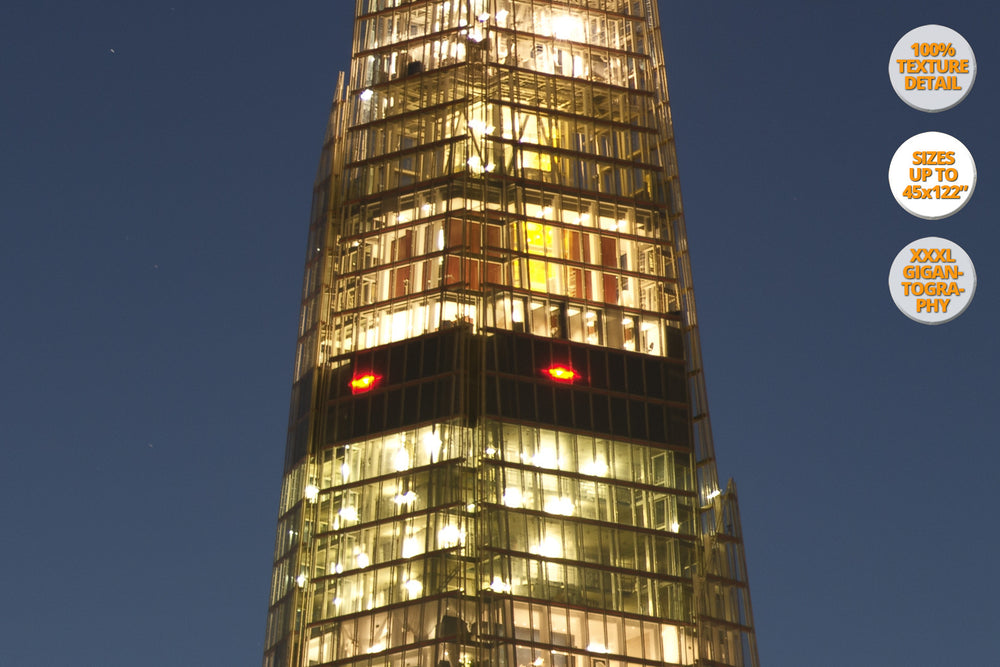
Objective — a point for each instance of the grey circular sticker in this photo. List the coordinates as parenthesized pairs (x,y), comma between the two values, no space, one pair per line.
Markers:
(932,280)
(932,68)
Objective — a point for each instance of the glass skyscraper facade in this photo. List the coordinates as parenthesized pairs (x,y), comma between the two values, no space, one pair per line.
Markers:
(499,451)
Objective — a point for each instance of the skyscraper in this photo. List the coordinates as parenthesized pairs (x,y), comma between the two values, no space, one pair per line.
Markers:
(499,450)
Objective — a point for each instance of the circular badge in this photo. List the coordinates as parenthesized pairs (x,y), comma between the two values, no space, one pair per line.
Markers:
(932,175)
(932,280)
(932,68)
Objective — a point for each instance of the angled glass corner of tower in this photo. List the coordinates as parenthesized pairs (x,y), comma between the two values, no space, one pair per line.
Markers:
(499,450)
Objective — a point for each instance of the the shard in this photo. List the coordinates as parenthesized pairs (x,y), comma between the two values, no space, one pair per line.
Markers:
(499,451)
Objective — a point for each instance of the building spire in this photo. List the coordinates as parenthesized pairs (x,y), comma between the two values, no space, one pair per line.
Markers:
(499,449)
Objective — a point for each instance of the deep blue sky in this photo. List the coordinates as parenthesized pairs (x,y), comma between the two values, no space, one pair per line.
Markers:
(154,207)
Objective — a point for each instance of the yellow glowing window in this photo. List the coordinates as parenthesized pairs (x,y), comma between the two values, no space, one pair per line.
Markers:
(533,160)
(537,275)
(540,237)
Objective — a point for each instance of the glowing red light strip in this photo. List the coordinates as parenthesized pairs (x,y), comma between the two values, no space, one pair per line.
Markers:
(562,373)
(363,383)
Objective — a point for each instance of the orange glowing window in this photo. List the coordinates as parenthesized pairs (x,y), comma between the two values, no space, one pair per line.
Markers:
(363,382)
(562,373)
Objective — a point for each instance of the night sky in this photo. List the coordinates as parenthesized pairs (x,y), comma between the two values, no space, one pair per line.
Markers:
(156,166)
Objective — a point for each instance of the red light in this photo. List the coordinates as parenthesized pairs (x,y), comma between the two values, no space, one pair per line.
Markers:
(562,373)
(364,382)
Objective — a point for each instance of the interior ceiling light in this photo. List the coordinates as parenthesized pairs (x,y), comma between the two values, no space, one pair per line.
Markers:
(363,382)
(562,374)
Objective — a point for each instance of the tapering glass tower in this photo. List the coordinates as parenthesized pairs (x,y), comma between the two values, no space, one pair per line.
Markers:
(499,450)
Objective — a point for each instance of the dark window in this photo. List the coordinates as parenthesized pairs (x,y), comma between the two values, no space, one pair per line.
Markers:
(677,427)
(446,355)
(619,417)
(302,396)
(361,408)
(393,411)
(340,381)
(560,355)
(581,409)
(493,356)
(490,387)
(445,396)
(578,360)
(508,398)
(300,445)
(546,408)
(413,355)
(430,355)
(380,362)
(598,369)
(377,415)
(427,400)
(675,343)
(396,370)
(505,353)
(600,413)
(335,426)
(637,417)
(616,373)
(657,432)
(676,385)
(411,404)
(654,378)
(564,406)
(635,384)
(526,400)
(522,357)
(543,356)
(364,361)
